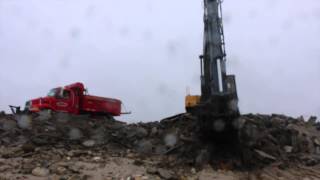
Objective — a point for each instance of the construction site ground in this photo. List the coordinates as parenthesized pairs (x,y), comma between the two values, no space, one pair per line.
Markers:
(59,146)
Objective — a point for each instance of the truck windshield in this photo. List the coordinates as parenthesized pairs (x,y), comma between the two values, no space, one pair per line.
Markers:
(53,92)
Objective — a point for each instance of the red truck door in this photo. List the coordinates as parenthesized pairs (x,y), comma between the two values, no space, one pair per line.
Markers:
(65,102)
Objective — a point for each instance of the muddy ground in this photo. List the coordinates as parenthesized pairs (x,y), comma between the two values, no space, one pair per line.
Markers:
(60,146)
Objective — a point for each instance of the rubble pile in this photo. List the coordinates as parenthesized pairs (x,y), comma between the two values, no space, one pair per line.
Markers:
(275,138)
(263,140)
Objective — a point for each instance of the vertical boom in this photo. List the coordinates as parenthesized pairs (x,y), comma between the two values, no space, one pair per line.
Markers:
(213,60)
(217,107)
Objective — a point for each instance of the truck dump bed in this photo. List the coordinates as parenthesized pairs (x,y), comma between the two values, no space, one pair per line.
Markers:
(101,105)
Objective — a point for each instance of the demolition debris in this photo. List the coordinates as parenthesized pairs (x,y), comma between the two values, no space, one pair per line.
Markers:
(174,141)
(263,139)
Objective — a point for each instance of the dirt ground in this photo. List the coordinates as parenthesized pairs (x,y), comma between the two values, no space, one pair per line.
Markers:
(89,165)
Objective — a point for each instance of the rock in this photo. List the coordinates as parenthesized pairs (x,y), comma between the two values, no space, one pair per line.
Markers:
(97,158)
(145,147)
(265,155)
(4,168)
(62,117)
(76,167)
(28,147)
(139,177)
(160,149)
(264,139)
(89,143)
(75,177)
(28,166)
(312,162)
(202,158)
(288,149)
(301,119)
(316,142)
(131,155)
(8,125)
(40,172)
(312,120)
(141,132)
(2,161)
(152,170)
(22,140)
(138,162)
(165,174)
(193,171)
(6,140)
(61,170)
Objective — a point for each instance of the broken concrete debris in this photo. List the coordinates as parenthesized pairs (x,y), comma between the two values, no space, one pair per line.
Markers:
(41,172)
(42,141)
(89,143)
(166,174)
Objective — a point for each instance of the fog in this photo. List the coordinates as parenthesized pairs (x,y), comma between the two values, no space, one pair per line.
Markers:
(145,52)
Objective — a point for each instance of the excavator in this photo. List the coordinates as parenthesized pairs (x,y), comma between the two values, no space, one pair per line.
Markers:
(217,108)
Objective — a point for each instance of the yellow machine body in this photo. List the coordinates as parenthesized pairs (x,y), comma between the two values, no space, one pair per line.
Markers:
(192,101)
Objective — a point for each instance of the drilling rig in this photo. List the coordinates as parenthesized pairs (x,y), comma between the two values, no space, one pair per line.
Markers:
(217,107)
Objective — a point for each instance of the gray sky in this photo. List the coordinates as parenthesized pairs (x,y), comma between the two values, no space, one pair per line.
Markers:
(145,52)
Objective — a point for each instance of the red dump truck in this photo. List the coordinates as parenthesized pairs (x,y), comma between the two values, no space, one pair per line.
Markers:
(74,99)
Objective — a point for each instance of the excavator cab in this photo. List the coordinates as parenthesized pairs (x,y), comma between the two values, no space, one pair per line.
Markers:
(191,101)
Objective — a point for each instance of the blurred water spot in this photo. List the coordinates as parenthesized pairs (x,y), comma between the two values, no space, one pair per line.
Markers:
(316,13)
(273,41)
(149,6)
(75,134)
(99,135)
(9,125)
(165,90)
(75,33)
(160,149)
(44,115)
(172,48)
(24,121)
(170,140)
(48,33)
(287,24)
(64,62)
(145,146)
(147,35)
(219,125)
(15,9)
(253,14)
(227,18)
(62,117)
(90,10)
(124,31)
(89,143)
(271,4)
